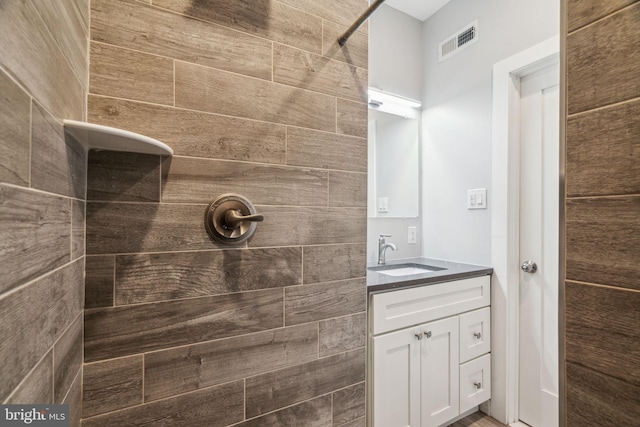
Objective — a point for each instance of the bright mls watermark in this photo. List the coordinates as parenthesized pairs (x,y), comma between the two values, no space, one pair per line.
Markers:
(34,415)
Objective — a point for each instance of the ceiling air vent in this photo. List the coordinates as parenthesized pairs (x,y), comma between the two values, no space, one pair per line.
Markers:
(458,41)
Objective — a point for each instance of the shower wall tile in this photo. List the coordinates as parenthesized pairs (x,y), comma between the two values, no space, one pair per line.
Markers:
(360,422)
(74,400)
(124,73)
(15,111)
(122,22)
(99,281)
(264,18)
(305,70)
(342,334)
(195,133)
(349,404)
(604,234)
(35,236)
(57,160)
(581,13)
(356,52)
(67,359)
(37,386)
(348,261)
(600,59)
(343,12)
(121,176)
(78,208)
(214,91)
(311,148)
(602,151)
(35,60)
(315,413)
(347,189)
(192,180)
(277,389)
(352,118)
(322,301)
(122,331)
(54,301)
(293,226)
(213,407)
(197,366)
(156,277)
(111,385)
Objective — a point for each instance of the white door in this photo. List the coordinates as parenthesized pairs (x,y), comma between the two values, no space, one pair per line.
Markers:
(539,206)
(440,366)
(396,387)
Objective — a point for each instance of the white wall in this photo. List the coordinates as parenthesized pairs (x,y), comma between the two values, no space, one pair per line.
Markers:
(456,121)
(395,66)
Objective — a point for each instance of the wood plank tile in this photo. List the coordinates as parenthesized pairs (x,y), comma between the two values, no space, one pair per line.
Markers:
(602,333)
(35,236)
(121,331)
(277,389)
(194,367)
(603,62)
(193,133)
(270,19)
(67,360)
(33,318)
(348,404)
(306,147)
(322,301)
(603,241)
(121,22)
(124,73)
(68,22)
(355,53)
(309,226)
(477,419)
(348,261)
(58,161)
(32,56)
(603,152)
(74,400)
(158,277)
(352,118)
(345,12)
(99,281)
(128,228)
(37,387)
(305,70)
(111,385)
(313,413)
(191,180)
(78,209)
(581,13)
(596,400)
(213,407)
(342,334)
(214,91)
(126,177)
(347,189)
(15,122)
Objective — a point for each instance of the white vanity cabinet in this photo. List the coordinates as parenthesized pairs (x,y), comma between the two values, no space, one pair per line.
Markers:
(429,352)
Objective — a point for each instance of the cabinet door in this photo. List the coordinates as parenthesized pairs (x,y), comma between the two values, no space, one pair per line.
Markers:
(475,334)
(440,370)
(475,382)
(396,379)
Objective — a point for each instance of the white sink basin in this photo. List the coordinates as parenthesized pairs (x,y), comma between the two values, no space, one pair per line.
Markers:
(405,269)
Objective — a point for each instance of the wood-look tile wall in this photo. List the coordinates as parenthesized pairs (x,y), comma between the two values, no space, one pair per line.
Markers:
(256,98)
(43,80)
(602,214)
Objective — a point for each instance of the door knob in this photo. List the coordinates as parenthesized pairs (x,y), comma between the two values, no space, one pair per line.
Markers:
(529,267)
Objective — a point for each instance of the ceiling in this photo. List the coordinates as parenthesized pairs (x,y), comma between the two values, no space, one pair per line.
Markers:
(419,9)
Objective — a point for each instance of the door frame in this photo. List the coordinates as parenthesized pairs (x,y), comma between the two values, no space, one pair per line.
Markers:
(505,218)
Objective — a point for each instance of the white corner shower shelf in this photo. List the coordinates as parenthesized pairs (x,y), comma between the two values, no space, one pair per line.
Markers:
(107,138)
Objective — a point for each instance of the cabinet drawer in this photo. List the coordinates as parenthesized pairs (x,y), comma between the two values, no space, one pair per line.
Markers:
(407,307)
(475,334)
(475,382)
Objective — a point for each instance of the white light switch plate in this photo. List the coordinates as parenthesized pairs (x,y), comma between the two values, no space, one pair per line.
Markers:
(383,204)
(413,235)
(477,198)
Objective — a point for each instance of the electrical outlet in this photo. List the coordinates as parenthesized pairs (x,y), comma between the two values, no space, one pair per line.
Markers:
(413,235)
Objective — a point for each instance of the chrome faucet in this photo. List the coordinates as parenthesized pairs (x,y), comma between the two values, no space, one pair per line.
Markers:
(382,248)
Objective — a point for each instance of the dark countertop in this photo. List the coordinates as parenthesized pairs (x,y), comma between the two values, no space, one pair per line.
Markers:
(452,271)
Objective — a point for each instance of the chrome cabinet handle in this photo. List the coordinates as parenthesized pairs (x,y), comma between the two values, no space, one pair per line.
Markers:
(418,336)
(427,334)
(478,335)
(477,385)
